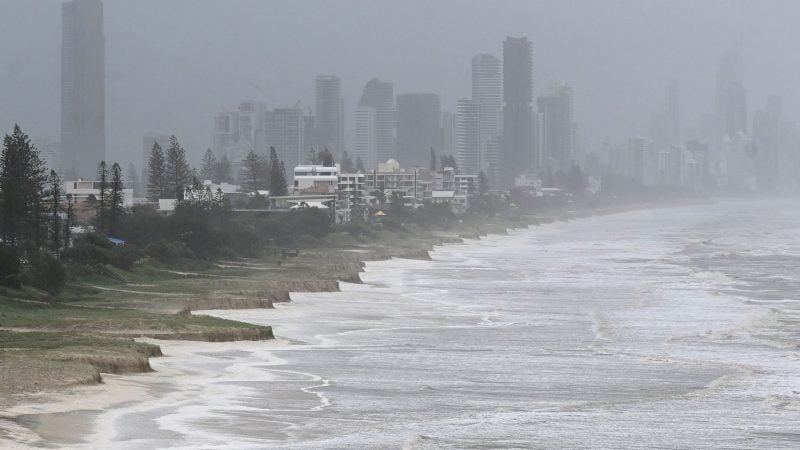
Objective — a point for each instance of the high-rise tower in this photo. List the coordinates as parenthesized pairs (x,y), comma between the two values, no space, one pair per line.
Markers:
(487,91)
(83,136)
(329,114)
(516,156)
(375,123)
(468,136)
(557,128)
(418,128)
(731,97)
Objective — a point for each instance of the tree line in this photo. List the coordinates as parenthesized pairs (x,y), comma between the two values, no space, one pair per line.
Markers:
(31,227)
(169,173)
(259,173)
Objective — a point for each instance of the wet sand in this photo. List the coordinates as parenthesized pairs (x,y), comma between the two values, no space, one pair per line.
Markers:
(69,418)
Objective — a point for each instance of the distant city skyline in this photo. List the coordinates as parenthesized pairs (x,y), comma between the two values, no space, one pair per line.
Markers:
(618,56)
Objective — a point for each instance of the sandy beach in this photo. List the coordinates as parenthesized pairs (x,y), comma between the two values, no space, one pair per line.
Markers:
(83,416)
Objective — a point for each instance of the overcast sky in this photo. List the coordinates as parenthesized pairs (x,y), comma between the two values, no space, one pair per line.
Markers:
(171,64)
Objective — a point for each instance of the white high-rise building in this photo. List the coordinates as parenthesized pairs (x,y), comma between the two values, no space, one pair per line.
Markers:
(487,90)
(366,147)
(380,96)
(468,136)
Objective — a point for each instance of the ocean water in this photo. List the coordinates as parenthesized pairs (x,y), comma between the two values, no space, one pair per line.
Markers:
(671,328)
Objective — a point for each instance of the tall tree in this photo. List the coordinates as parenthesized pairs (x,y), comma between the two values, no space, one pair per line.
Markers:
(326,158)
(483,183)
(576,181)
(380,197)
(69,218)
(277,176)
(360,165)
(282,180)
(449,161)
(155,178)
(115,199)
(398,204)
(254,175)
(208,171)
(177,169)
(22,181)
(433,160)
(347,163)
(102,197)
(549,179)
(55,216)
(223,170)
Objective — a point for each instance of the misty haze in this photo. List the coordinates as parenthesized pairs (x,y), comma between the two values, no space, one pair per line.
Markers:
(399,224)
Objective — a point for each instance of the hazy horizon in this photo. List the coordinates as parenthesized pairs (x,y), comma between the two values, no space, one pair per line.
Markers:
(172,65)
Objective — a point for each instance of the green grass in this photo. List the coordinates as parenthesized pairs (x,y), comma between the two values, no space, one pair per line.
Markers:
(15,314)
(32,341)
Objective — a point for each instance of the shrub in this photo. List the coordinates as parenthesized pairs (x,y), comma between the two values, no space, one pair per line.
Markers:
(86,251)
(357,228)
(45,272)
(92,249)
(9,267)
(124,256)
(97,240)
(169,252)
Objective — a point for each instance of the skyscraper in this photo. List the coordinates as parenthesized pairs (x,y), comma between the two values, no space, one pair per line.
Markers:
(665,124)
(731,97)
(285,131)
(418,128)
(379,96)
(557,128)
(516,156)
(468,136)
(83,137)
(237,133)
(367,137)
(329,120)
(487,91)
(449,134)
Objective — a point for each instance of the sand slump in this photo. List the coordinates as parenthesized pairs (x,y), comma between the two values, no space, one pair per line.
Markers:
(257,293)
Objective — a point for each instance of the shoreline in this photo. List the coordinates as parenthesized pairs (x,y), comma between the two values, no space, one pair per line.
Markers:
(66,415)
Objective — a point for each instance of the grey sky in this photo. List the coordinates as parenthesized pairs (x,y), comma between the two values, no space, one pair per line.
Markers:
(171,64)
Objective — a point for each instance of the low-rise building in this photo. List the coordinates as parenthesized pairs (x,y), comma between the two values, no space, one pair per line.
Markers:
(354,187)
(390,178)
(315,179)
(417,185)
(226,188)
(81,190)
